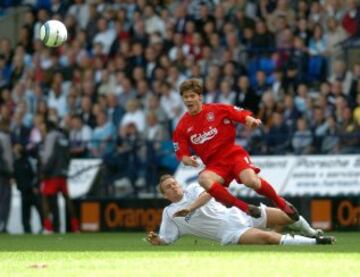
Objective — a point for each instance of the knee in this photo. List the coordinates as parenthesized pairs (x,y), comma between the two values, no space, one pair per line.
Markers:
(269,238)
(204,181)
(252,182)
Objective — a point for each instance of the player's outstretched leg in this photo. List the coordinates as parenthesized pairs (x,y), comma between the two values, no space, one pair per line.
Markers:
(300,240)
(222,195)
(210,182)
(261,186)
(267,190)
(276,218)
(257,236)
(305,229)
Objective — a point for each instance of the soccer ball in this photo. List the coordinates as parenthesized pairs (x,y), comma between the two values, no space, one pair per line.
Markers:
(53,33)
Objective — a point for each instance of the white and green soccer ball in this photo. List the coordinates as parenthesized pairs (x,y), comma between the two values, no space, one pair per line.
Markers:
(53,33)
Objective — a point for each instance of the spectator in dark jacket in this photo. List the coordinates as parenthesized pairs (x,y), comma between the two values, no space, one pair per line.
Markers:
(6,171)
(245,95)
(278,136)
(27,182)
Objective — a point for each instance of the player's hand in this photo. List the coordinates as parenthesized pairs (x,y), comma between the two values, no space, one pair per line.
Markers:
(182,213)
(252,122)
(254,211)
(153,238)
(190,161)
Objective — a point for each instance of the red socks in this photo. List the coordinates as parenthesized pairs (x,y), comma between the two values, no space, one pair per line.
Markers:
(48,227)
(222,195)
(267,190)
(75,226)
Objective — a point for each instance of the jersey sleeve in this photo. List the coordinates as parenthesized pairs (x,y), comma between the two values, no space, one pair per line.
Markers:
(49,147)
(180,141)
(168,229)
(234,113)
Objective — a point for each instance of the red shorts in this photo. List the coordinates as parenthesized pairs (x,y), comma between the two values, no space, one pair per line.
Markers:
(54,185)
(230,164)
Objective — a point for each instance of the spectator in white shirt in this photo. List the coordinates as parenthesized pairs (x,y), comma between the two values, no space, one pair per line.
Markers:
(57,100)
(171,103)
(105,35)
(80,136)
(134,114)
(341,74)
(178,46)
(227,95)
(153,22)
(154,130)
(81,12)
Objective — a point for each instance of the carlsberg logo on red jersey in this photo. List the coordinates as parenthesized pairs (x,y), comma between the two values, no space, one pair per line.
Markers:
(205,136)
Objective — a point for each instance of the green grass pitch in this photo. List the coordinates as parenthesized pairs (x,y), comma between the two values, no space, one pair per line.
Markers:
(127,254)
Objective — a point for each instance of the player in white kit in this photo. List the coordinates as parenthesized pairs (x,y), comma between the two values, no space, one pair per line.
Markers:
(206,218)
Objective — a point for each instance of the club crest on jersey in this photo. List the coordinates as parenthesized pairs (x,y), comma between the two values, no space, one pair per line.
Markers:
(188,217)
(210,116)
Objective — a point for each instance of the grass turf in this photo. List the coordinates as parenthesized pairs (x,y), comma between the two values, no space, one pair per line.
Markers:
(127,254)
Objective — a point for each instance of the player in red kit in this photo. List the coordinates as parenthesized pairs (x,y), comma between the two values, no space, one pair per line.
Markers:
(209,130)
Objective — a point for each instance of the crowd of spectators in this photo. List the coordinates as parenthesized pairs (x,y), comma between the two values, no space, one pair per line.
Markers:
(114,84)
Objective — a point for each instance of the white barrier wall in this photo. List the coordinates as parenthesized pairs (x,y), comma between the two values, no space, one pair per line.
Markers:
(318,175)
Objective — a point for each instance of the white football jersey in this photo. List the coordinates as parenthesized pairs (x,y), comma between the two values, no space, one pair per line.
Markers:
(212,221)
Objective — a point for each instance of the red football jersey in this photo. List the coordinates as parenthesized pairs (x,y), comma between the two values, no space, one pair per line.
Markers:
(209,132)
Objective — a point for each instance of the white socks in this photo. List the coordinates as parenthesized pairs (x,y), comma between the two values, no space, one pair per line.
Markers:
(296,240)
(303,227)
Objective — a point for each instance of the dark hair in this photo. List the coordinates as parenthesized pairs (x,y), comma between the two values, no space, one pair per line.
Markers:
(5,125)
(51,125)
(77,116)
(191,84)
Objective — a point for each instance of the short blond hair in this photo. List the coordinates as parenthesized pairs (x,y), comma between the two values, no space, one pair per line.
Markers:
(193,84)
(162,179)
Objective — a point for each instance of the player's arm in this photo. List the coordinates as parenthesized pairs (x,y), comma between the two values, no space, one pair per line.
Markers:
(252,122)
(240,115)
(168,232)
(203,198)
(48,153)
(181,147)
(154,239)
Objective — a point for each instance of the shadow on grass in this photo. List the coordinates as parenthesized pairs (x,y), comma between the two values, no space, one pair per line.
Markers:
(135,242)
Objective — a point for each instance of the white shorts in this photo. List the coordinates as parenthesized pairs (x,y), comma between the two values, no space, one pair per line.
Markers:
(239,222)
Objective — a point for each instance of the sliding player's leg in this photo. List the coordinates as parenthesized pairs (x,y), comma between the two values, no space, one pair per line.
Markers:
(257,236)
(276,218)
